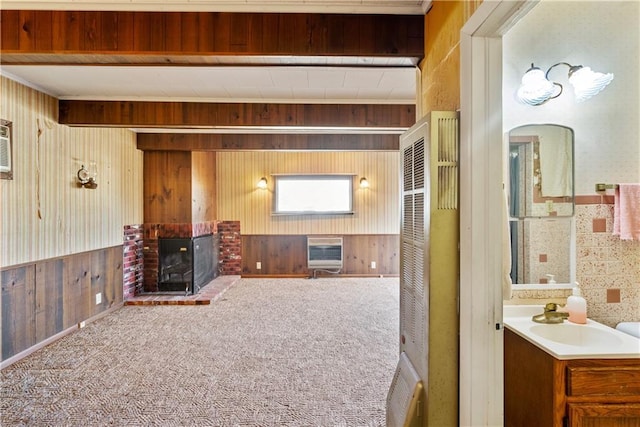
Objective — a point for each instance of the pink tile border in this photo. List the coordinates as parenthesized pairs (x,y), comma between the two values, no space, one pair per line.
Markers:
(601,199)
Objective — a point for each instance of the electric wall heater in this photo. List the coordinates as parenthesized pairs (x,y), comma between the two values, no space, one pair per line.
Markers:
(324,252)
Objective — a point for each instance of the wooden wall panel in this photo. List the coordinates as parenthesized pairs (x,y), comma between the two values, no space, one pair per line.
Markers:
(376,208)
(44,213)
(76,289)
(167,187)
(43,298)
(279,255)
(18,310)
(49,298)
(441,67)
(286,255)
(179,186)
(360,250)
(203,186)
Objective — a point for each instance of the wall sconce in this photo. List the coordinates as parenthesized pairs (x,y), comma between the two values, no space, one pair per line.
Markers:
(262,184)
(536,88)
(364,183)
(87,179)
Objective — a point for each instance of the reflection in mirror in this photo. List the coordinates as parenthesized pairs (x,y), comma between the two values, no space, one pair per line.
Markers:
(541,251)
(541,171)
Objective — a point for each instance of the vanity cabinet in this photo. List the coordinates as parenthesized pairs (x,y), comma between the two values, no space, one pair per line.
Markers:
(540,390)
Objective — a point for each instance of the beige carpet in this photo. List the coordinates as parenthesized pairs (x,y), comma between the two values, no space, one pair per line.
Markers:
(270,352)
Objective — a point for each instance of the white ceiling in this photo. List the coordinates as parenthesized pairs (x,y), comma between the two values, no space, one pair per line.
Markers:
(278,84)
(354,80)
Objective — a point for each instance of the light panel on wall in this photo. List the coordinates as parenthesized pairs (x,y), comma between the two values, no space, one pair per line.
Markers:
(536,88)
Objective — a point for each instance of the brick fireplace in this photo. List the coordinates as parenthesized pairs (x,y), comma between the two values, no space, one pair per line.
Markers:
(226,245)
(180,205)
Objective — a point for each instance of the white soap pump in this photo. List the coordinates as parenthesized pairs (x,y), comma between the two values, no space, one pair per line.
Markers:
(577,306)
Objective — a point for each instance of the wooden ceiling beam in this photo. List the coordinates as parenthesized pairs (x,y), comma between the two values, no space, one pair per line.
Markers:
(190,115)
(166,38)
(263,142)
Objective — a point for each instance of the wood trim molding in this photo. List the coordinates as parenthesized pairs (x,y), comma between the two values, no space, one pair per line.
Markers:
(390,117)
(253,142)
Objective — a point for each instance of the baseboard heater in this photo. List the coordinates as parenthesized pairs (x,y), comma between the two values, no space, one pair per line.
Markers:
(324,253)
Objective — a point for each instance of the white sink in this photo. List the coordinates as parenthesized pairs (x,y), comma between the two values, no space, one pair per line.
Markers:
(578,335)
(568,340)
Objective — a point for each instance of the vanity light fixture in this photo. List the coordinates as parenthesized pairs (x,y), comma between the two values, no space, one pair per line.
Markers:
(262,184)
(364,183)
(536,88)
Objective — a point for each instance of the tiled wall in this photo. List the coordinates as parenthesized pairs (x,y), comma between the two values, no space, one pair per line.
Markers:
(548,250)
(607,268)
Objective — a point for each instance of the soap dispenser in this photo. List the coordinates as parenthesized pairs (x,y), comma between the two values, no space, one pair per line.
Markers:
(577,306)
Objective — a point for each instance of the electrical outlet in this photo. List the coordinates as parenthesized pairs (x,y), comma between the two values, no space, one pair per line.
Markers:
(98,298)
(258,265)
(373,265)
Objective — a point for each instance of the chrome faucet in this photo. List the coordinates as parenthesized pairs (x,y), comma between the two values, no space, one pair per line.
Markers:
(551,314)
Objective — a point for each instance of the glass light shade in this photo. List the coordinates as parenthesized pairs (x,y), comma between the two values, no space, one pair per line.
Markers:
(262,183)
(364,183)
(535,88)
(587,83)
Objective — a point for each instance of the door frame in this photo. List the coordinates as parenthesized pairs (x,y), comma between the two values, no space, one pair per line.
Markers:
(481,204)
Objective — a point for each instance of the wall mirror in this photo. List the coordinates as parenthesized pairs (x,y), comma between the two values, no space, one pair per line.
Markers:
(542,251)
(541,171)
(541,204)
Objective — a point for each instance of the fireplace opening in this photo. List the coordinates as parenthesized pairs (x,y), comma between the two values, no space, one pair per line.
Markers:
(187,265)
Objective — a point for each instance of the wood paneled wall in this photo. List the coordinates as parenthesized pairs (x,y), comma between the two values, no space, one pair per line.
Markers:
(44,214)
(203,186)
(441,65)
(167,187)
(287,255)
(376,208)
(43,298)
(179,186)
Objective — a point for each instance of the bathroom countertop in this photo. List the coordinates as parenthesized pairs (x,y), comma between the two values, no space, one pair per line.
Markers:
(568,340)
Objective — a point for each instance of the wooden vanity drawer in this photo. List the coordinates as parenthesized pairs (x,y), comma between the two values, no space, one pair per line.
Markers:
(603,380)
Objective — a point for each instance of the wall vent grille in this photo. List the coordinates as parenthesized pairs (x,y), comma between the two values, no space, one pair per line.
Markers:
(324,252)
